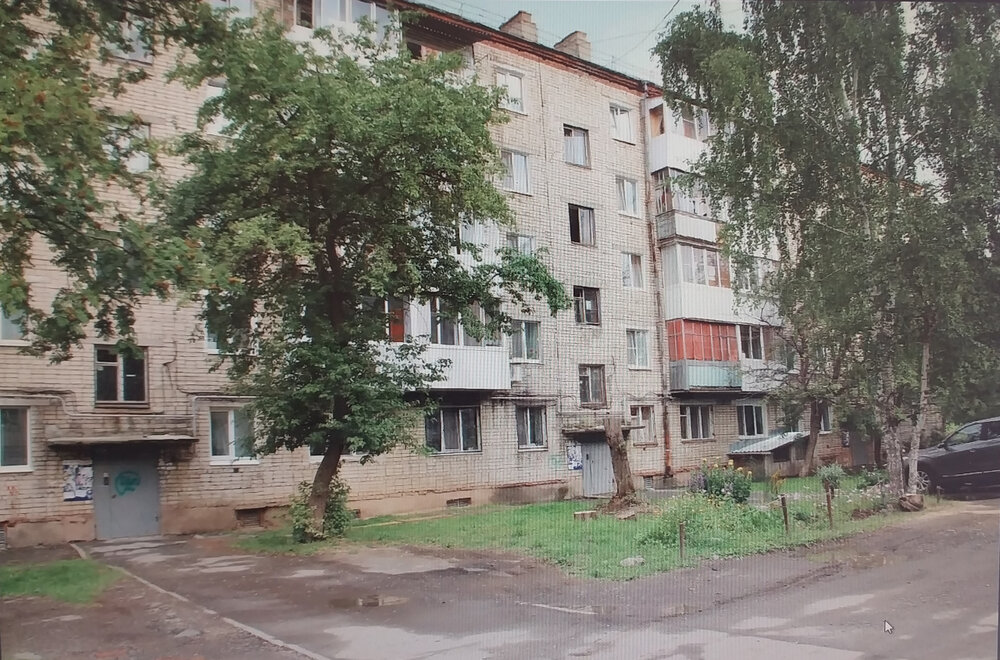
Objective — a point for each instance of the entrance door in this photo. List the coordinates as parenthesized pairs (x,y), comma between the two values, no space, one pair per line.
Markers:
(598,474)
(126,495)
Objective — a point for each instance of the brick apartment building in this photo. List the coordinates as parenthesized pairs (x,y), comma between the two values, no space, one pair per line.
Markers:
(104,446)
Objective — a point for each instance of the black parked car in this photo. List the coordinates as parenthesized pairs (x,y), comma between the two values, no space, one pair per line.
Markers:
(968,457)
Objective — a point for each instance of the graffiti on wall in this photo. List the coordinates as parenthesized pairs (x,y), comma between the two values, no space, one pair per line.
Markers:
(126,482)
(78,481)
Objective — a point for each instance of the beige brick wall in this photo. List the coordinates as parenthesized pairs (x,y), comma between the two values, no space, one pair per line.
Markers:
(197,494)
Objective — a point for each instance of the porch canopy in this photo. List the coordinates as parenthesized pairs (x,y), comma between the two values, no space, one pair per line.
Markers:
(119,440)
(764,445)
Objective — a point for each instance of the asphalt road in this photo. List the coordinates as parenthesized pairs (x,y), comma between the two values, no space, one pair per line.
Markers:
(933,578)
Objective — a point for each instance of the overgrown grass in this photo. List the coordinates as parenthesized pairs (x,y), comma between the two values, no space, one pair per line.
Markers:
(68,580)
(595,548)
(807,485)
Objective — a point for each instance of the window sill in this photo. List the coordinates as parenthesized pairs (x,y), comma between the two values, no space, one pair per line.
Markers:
(128,405)
(477,452)
(14,343)
(238,462)
(348,458)
(524,361)
(16,469)
(588,325)
(514,111)
(531,450)
(518,192)
(644,445)
(583,166)
(146,61)
(631,142)
(628,214)
(594,406)
(696,441)
(826,432)
(634,368)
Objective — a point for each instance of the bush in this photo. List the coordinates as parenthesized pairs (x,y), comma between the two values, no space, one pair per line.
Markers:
(336,517)
(831,475)
(724,482)
(709,521)
(872,476)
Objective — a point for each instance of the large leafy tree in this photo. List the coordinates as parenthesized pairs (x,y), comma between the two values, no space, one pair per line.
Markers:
(345,175)
(817,156)
(59,79)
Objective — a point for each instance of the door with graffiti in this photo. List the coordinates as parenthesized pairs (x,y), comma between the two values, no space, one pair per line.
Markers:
(126,494)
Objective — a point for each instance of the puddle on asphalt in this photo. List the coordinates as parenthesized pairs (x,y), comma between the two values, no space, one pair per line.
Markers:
(367,601)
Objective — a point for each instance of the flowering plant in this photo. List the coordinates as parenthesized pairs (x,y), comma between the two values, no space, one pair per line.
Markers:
(723,482)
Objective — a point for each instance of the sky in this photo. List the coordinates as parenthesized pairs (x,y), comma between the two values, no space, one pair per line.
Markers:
(621,32)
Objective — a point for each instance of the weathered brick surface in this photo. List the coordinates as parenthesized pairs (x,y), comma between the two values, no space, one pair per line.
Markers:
(197,494)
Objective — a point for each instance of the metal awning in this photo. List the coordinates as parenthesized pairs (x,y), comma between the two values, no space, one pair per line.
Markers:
(764,445)
(121,440)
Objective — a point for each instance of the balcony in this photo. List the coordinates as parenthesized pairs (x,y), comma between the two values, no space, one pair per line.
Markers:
(472,367)
(673,224)
(693,375)
(761,375)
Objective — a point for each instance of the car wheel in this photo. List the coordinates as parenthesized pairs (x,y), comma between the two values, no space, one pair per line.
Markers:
(926,482)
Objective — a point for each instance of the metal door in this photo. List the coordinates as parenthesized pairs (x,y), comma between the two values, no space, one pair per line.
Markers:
(598,474)
(126,495)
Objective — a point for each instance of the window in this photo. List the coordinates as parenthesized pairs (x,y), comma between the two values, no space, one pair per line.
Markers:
(211,341)
(530,427)
(13,438)
(704,266)
(587,305)
(452,430)
(631,271)
(232,435)
(219,122)
(592,385)
(576,146)
(118,377)
(643,416)
(638,348)
(750,418)
(524,343)
(450,332)
(322,13)
(696,422)
(656,125)
(135,48)
(516,168)
(688,127)
(621,124)
(398,312)
(671,195)
(628,200)
(138,161)
(751,342)
(825,419)
(582,228)
(10,327)
(694,123)
(244,8)
(511,83)
(522,243)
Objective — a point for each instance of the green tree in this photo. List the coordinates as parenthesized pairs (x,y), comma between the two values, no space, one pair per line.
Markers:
(59,77)
(344,178)
(823,124)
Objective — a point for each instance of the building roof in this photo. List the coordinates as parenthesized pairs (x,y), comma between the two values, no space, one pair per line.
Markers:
(472,31)
(765,445)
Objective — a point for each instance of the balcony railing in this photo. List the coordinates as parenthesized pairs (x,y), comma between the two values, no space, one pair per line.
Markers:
(688,375)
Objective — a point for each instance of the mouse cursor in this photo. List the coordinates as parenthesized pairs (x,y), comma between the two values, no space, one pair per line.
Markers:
(888,627)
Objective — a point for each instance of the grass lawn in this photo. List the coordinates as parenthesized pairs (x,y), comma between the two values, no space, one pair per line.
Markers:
(69,580)
(808,485)
(595,548)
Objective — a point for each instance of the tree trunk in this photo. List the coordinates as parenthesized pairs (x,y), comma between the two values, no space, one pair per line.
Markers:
(327,470)
(894,459)
(624,486)
(809,459)
(921,426)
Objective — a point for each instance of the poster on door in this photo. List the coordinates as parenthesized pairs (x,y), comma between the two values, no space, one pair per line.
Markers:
(78,481)
(574,456)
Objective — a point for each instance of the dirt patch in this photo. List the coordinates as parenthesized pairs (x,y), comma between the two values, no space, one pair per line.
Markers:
(127,622)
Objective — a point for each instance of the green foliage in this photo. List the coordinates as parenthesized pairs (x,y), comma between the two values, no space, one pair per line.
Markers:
(70,580)
(725,482)
(62,148)
(831,475)
(872,475)
(708,520)
(304,527)
(337,516)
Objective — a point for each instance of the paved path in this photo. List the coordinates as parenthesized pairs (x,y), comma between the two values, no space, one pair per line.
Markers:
(934,578)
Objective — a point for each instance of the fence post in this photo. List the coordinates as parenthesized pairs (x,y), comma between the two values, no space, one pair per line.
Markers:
(681,537)
(829,506)
(938,496)
(784,511)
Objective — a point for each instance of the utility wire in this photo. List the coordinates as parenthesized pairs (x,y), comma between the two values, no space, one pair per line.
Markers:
(648,34)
